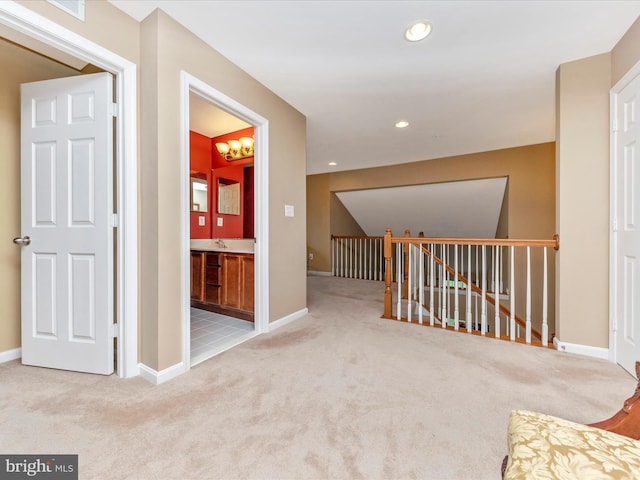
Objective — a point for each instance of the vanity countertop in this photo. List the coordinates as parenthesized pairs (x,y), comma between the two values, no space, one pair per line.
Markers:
(232,245)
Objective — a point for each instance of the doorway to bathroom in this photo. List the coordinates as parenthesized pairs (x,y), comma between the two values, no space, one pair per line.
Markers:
(224,210)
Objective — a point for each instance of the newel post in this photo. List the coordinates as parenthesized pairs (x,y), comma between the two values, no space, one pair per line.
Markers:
(387,273)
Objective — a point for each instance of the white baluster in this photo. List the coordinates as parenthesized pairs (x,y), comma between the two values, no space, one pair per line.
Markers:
(456,312)
(340,264)
(360,257)
(432,282)
(497,293)
(483,318)
(443,289)
(421,284)
(469,319)
(528,318)
(410,280)
(399,279)
(375,260)
(501,270)
(545,326)
(512,297)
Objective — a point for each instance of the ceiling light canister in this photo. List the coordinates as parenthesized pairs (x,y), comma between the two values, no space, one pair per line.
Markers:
(418,31)
(402,124)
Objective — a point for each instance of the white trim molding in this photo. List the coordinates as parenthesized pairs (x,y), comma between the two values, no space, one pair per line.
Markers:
(319,274)
(587,350)
(158,377)
(281,322)
(26,21)
(9,355)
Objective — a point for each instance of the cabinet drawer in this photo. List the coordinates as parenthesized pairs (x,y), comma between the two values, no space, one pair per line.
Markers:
(213,275)
(213,259)
(212,294)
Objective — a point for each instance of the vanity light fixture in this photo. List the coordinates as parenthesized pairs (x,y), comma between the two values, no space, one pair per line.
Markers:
(236,149)
(417,31)
(402,124)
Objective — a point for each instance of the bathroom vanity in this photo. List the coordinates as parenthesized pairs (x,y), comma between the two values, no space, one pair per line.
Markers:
(222,277)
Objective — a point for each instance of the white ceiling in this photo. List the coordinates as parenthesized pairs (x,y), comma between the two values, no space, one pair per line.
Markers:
(468,209)
(210,121)
(483,80)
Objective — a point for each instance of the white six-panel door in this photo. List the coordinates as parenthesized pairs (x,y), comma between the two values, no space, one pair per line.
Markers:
(67,205)
(626,239)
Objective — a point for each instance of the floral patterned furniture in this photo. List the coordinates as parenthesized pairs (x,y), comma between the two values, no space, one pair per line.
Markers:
(546,447)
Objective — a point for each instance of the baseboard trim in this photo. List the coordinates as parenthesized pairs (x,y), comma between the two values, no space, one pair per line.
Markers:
(587,350)
(9,355)
(155,377)
(288,319)
(322,274)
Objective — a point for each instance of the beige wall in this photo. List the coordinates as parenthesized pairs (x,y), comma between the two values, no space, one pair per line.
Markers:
(318,222)
(582,122)
(161,48)
(342,222)
(168,48)
(18,66)
(531,187)
(626,53)
(582,92)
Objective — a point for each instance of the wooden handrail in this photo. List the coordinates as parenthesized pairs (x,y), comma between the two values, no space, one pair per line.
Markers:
(476,289)
(358,237)
(500,242)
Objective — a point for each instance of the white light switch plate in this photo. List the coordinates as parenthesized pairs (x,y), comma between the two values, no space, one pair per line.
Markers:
(219,221)
(288,211)
(201,220)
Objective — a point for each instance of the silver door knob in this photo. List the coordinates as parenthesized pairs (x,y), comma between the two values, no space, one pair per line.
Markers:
(22,241)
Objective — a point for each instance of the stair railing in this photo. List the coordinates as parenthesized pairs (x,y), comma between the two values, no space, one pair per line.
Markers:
(360,257)
(491,274)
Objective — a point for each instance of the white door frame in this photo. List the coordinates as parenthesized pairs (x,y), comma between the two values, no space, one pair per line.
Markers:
(190,84)
(40,28)
(613,181)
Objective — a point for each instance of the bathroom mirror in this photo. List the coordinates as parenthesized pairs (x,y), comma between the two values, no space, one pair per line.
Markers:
(199,195)
(228,196)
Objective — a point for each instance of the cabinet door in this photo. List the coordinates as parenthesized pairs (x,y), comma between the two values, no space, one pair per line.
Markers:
(197,275)
(246,294)
(231,280)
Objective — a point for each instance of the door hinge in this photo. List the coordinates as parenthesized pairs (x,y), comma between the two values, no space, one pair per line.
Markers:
(614,124)
(114,330)
(114,220)
(113,110)
(614,225)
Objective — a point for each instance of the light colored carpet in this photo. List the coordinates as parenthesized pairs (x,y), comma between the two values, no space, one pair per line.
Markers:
(339,394)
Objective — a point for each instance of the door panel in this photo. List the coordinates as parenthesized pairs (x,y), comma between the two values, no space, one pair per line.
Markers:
(67,202)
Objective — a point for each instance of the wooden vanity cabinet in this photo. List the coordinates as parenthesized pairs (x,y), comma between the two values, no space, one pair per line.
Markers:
(223,283)
(237,287)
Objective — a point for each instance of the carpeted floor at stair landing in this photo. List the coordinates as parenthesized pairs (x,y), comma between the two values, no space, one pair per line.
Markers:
(338,394)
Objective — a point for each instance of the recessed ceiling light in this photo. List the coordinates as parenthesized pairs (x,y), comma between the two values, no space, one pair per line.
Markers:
(333,164)
(402,124)
(418,31)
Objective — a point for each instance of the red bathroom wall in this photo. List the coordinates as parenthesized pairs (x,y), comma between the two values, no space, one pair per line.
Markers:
(232,225)
(200,163)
